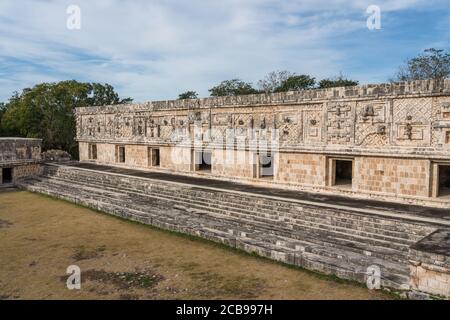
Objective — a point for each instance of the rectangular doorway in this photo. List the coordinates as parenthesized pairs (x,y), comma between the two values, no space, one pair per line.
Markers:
(266,166)
(343,173)
(444,180)
(120,154)
(203,161)
(6,175)
(92,152)
(153,157)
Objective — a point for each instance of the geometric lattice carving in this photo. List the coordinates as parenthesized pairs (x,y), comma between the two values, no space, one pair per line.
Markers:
(371,127)
(418,110)
(289,128)
(371,135)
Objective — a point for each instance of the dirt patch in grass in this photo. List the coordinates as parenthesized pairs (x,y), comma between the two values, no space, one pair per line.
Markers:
(124,260)
(82,253)
(5,224)
(211,284)
(124,280)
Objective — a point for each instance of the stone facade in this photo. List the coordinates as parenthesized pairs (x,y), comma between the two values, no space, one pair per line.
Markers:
(388,141)
(19,158)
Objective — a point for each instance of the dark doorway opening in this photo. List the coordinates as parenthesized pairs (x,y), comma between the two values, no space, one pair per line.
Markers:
(7,175)
(204,161)
(266,165)
(444,180)
(344,172)
(93,152)
(121,155)
(154,159)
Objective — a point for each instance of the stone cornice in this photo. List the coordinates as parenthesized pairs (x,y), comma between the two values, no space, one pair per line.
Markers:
(370,91)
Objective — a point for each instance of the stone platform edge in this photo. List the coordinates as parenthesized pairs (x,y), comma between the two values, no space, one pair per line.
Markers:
(408,217)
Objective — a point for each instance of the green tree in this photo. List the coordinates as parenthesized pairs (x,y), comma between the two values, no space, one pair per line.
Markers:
(431,64)
(273,80)
(188,95)
(232,87)
(339,81)
(2,110)
(104,94)
(47,111)
(295,83)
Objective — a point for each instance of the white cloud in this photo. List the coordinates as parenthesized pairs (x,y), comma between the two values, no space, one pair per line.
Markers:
(157,49)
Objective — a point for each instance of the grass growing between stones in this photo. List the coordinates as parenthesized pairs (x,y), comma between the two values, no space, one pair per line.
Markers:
(120,259)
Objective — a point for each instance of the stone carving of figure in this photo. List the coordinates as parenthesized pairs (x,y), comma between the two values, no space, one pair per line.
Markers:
(230,121)
(263,123)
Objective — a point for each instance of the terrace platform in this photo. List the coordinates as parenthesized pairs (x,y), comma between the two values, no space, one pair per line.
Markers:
(328,234)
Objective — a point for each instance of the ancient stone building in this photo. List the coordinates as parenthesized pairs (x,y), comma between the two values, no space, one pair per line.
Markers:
(19,158)
(387,141)
(352,181)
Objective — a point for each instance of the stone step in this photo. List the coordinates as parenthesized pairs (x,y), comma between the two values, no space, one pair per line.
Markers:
(355,244)
(317,219)
(344,254)
(417,231)
(310,260)
(229,209)
(299,225)
(375,228)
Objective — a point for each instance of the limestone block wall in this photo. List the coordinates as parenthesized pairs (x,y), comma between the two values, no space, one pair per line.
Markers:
(21,157)
(410,177)
(430,264)
(27,170)
(232,163)
(302,168)
(136,155)
(408,119)
(83,150)
(20,171)
(397,135)
(106,153)
(430,278)
(20,149)
(176,158)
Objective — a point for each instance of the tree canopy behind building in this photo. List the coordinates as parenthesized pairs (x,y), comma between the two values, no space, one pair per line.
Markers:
(47,111)
(188,95)
(232,87)
(339,81)
(431,64)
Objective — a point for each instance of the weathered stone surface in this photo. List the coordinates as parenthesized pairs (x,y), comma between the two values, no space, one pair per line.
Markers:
(333,241)
(56,155)
(19,158)
(395,136)
(19,150)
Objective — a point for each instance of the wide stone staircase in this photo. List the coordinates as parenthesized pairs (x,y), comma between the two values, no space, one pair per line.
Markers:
(321,238)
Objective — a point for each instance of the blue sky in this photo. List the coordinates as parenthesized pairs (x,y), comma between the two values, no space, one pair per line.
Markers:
(154,50)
